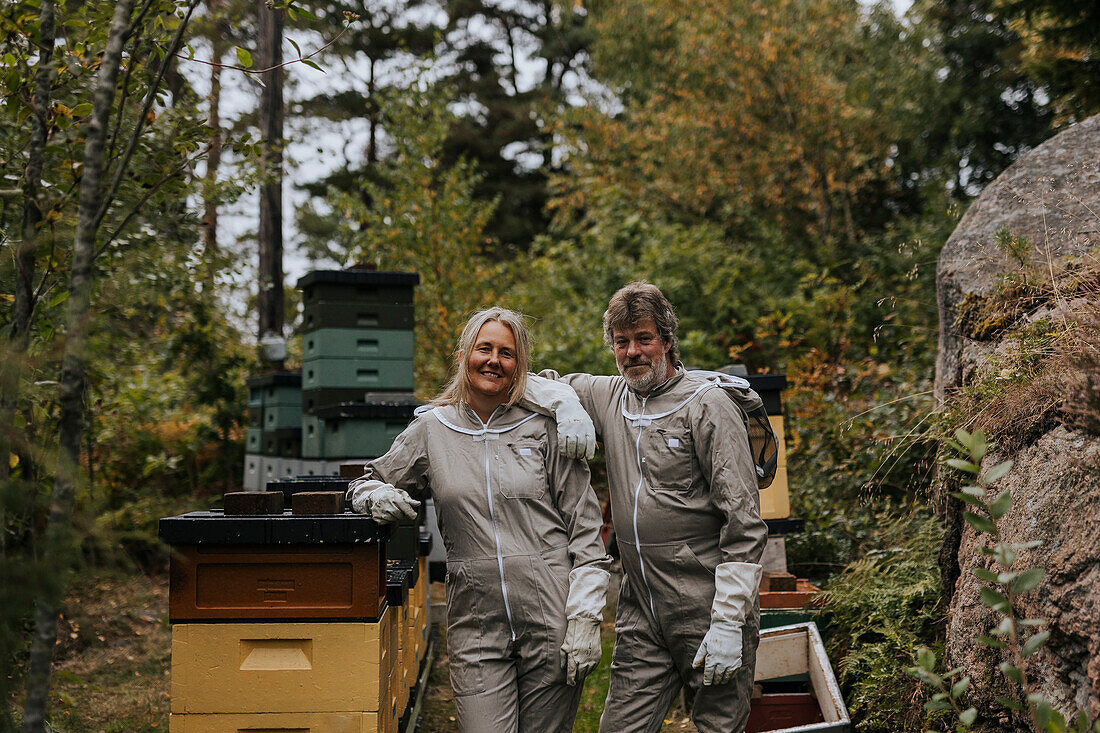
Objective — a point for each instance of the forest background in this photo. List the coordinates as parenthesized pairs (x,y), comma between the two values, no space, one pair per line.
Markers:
(786,171)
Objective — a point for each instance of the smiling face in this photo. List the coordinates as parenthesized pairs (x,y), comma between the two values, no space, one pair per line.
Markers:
(491,368)
(641,355)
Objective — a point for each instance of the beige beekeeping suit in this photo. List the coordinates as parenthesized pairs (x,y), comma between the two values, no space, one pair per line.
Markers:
(684,500)
(521,528)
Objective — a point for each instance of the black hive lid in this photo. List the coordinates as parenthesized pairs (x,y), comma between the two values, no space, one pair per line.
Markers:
(214,528)
(276,379)
(358,277)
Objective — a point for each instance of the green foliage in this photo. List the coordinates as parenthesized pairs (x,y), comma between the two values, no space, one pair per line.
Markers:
(875,612)
(421,216)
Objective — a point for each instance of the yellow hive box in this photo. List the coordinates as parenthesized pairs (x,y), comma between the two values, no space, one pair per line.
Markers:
(278,723)
(396,675)
(280,667)
(400,657)
(774,500)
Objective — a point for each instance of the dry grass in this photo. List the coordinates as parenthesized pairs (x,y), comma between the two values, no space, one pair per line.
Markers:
(112,655)
(1046,366)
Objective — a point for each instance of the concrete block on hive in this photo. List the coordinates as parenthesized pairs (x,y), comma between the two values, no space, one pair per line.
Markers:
(778,581)
(252,503)
(317,502)
(352,469)
(278,667)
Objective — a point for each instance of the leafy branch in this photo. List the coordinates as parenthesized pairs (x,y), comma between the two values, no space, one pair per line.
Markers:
(244,57)
(1017,638)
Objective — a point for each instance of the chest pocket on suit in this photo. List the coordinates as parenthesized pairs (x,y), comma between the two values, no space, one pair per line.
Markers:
(523,469)
(669,458)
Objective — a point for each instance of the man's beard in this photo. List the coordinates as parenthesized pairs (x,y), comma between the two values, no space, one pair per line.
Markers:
(647,381)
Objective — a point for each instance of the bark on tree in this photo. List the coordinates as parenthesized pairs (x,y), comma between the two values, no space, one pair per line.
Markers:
(271,189)
(57,543)
(26,250)
(214,157)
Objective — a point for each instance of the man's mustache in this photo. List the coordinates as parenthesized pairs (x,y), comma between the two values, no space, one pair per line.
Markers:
(637,362)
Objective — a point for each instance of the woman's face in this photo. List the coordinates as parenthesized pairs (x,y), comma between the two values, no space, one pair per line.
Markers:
(492,366)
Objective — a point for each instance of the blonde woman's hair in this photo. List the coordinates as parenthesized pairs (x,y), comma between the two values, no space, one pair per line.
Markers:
(458,389)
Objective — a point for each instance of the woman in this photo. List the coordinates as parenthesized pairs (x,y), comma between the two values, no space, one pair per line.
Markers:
(526,571)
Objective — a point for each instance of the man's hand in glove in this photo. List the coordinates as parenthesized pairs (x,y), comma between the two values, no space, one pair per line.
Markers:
(720,653)
(581,651)
(576,433)
(735,587)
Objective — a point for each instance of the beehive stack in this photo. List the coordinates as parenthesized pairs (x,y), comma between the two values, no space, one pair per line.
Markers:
(279,622)
(357,364)
(273,441)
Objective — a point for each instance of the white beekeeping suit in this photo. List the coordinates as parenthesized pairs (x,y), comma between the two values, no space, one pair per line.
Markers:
(687,520)
(521,528)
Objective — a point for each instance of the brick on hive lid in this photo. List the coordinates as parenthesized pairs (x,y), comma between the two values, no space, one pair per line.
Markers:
(353,469)
(317,502)
(252,503)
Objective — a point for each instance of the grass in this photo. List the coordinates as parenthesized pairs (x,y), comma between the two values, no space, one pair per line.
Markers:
(112,657)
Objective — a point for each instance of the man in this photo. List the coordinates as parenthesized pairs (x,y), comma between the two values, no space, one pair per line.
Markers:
(687,520)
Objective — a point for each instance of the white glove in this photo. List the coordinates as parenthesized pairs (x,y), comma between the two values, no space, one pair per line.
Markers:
(383,502)
(576,433)
(735,586)
(720,652)
(581,652)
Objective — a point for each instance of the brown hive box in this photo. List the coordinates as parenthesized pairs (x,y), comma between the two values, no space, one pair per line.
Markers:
(275,567)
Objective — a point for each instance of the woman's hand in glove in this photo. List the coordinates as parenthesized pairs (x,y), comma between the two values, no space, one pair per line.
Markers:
(581,651)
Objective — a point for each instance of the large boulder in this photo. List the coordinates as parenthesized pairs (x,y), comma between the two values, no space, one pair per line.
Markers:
(1042,215)
(1049,197)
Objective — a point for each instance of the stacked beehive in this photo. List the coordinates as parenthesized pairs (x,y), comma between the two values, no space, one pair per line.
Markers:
(273,441)
(357,364)
(280,622)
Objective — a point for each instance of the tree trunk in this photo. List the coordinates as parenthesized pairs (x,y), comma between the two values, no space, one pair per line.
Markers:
(271,188)
(57,545)
(214,157)
(26,252)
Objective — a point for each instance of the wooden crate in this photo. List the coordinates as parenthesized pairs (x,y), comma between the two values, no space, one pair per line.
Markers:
(279,667)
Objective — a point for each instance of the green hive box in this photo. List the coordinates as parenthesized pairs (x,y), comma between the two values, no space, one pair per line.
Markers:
(337,314)
(357,342)
(358,285)
(366,373)
(359,437)
(253,440)
(282,416)
(311,437)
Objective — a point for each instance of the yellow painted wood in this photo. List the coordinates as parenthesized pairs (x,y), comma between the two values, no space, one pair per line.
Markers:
(278,723)
(279,667)
(396,675)
(775,500)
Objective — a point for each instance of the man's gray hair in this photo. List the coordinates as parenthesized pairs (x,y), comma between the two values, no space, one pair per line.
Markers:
(458,389)
(637,302)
